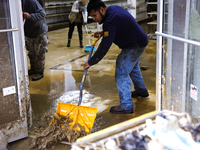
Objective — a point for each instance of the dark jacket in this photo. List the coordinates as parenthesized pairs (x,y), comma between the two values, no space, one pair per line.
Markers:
(121,28)
(36,24)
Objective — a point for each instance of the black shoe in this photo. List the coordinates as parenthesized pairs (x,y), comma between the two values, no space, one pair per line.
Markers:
(68,44)
(37,76)
(136,94)
(81,44)
(119,110)
(31,72)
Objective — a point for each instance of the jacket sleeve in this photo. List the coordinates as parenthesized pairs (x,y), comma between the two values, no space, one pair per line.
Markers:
(75,7)
(39,12)
(109,32)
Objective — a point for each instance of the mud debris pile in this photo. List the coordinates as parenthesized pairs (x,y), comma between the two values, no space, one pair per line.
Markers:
(58,131)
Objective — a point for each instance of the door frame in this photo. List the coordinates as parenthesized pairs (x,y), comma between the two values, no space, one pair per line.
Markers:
(18,129)
(160,48)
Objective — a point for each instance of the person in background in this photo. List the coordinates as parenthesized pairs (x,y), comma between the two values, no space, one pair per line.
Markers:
(35,29)
(78,15)
(121,28)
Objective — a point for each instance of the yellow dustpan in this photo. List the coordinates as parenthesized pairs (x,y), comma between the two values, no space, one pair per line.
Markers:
(81,115)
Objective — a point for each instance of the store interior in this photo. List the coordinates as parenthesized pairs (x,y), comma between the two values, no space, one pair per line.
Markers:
(169,80)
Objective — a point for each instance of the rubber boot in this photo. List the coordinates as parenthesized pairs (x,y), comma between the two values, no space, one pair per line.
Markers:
(81,44)
(68,44)
(32,63)
(31,72)
(37,76)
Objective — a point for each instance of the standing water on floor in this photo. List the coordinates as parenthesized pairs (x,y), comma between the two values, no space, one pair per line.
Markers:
(61,83)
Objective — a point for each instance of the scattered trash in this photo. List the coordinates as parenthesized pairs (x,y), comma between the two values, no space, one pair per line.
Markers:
(134,141)
(195,131)
(165,130)
(110,144)
(155,145)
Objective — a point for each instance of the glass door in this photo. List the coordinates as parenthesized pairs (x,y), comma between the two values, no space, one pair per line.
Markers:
(178,56)
(193,76)
(15,105)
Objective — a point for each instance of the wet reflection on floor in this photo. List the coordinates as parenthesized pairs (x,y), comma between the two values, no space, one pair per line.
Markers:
(62,80)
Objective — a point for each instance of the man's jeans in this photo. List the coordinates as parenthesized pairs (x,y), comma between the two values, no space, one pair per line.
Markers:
(127,64)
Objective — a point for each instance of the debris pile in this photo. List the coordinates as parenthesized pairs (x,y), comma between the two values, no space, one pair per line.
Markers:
(58,131)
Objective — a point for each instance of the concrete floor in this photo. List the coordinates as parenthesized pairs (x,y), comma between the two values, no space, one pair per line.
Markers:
(62,77)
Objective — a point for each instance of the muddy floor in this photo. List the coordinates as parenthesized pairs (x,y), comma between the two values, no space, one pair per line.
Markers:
(61,83)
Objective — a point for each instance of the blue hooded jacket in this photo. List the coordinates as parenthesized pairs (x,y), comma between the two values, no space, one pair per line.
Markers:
(36,24)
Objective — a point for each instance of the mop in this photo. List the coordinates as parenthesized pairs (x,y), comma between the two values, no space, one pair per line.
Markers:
(88,47)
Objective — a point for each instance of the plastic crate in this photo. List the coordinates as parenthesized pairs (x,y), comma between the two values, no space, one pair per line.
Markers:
(100,139)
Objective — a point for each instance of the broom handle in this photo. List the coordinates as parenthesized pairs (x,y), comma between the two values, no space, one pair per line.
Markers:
(83,78)
(86,29)
(87,34)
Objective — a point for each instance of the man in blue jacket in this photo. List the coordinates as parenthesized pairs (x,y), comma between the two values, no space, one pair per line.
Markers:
(121,28)
(35,29)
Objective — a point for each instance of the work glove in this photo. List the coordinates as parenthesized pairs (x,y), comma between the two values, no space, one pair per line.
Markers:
(98,33)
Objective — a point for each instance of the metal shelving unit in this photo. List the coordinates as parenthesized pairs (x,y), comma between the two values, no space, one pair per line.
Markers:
(152,24)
